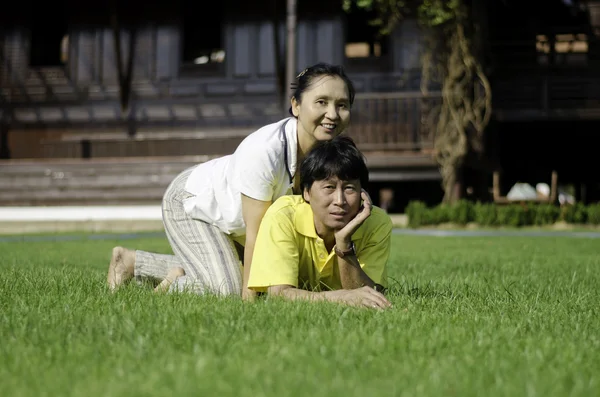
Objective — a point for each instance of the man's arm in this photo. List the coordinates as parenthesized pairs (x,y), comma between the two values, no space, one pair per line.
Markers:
(351,274)
(364,297)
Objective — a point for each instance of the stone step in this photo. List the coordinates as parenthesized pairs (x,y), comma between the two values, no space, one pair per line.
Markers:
(77,182)
(143,180)
(107,181)
(141,148)
(87,196)
(60,172)
(93,167)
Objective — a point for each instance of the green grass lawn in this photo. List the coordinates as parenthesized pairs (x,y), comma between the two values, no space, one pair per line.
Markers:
(472,316)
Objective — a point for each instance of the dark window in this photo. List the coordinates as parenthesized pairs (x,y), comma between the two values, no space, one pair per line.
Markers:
(49,38)
(203,42)
(364,46)
(562,49)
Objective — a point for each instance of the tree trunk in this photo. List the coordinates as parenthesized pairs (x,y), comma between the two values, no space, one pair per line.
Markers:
(451,182)
(464,114)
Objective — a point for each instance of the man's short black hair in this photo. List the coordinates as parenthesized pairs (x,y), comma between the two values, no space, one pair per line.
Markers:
(338,157)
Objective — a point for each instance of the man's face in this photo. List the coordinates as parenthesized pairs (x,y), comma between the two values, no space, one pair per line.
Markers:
(334,203)
(324,109)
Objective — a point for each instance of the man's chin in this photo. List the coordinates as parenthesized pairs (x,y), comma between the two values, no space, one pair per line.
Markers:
(337,225)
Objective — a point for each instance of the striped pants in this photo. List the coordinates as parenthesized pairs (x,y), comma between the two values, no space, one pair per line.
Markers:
(208,256)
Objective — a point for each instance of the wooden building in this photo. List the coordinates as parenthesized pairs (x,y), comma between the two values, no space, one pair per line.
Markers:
(195,82)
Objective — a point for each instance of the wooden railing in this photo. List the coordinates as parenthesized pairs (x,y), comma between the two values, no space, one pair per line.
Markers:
(49,99)
(51,106)
(548,95)
(48,107)
(394,121)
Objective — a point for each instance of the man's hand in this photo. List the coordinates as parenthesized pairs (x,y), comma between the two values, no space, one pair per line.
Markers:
(362,297)
(343,237)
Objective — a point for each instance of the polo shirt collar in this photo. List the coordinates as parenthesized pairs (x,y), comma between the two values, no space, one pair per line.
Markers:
(305,223)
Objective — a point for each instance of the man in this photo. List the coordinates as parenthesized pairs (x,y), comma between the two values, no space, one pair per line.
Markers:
(330,243)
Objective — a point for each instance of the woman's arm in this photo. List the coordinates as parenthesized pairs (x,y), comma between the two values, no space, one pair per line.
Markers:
(364,296)
(252,211)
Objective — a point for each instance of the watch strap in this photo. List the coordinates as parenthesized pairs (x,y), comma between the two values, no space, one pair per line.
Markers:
(348,252)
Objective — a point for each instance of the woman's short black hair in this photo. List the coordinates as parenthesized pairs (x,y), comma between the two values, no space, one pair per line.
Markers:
(338,157)
(307,76)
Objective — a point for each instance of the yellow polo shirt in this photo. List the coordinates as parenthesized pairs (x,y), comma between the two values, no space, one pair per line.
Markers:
(289,252)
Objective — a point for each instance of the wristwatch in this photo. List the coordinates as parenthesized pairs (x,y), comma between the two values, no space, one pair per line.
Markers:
(350,252)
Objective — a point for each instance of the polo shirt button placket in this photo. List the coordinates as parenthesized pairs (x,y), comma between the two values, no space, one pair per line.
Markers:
(321,248)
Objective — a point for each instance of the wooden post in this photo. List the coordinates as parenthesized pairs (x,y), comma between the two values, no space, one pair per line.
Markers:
(290,63)
(125,76)
(580,192)
(386,198)
(4,149)
(282,90)
(553,188)
(86,149)
(496,186)
(415,123)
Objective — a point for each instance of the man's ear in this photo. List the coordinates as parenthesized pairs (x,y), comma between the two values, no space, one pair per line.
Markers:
(306,195)
(295,105)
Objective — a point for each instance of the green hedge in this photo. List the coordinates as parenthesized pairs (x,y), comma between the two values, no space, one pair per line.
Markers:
(490,214)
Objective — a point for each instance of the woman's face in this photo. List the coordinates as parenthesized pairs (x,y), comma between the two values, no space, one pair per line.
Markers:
(323,111)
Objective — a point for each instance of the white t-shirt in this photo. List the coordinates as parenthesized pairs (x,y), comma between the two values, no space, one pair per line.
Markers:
(262,167)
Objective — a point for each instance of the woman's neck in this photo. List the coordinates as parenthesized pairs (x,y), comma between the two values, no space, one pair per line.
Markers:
(305,143)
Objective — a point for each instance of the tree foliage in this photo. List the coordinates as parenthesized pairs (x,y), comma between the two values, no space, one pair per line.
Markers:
(452,57)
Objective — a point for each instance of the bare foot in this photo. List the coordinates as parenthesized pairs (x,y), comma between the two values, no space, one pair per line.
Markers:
(121,267)
(173,274)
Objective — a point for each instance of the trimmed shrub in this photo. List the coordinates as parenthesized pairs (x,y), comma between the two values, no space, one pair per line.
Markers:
(490,214)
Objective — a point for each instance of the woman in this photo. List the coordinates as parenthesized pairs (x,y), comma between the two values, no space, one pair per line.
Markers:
(211,207)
